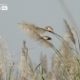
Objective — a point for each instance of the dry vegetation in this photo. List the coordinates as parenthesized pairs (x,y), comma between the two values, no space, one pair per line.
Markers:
(65,62)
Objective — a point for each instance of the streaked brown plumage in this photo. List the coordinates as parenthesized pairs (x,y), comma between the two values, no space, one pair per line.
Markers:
(46,38)
(49,28)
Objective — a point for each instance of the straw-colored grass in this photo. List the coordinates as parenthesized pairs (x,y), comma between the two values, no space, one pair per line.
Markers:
(65,61)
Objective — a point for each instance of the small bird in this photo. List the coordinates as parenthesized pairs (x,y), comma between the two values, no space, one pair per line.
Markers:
(49,28)
(46,38)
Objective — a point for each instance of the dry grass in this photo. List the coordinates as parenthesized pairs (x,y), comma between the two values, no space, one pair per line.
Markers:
(65,62)
(65,65)
(69,32)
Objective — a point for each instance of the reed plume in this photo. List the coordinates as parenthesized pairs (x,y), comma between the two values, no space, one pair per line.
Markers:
(43,61)
(71,68)
(71,63)
(33,34)
(4,53)
(29,26)
(25,64)
(69,32)
(5,58)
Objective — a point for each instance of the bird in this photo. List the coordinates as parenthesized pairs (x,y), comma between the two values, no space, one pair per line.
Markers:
(49,28)
(46,38)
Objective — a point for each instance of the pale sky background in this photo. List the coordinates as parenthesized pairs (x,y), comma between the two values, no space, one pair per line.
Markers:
(39,12)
